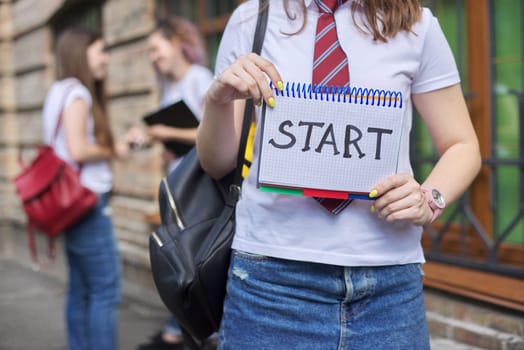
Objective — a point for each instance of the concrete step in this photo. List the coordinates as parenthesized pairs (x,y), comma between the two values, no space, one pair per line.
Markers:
(448,344)
(472,323)
(470,335)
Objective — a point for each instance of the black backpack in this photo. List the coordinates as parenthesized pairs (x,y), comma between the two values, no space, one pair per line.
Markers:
(190,251)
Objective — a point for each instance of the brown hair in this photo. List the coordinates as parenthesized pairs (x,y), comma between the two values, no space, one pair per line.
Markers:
(71,52)
(384,18)
(192,43)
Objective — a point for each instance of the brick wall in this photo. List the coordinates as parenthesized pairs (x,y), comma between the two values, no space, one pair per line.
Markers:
(7,110)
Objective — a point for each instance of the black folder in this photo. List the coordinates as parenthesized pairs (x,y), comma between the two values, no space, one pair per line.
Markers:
(176,115)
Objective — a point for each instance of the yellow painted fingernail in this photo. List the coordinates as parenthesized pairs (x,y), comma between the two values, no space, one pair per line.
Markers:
(271,102)
(259,103)
(373,193)
(372,209)
(280,85)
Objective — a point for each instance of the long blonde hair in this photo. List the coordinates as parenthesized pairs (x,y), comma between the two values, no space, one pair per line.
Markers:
(384,18)
(71,52)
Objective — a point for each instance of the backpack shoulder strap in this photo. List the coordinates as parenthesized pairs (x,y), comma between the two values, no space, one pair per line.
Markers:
(258,41)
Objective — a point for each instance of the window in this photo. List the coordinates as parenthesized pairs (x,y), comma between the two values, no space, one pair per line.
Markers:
(507,90)
(82,13)
(479,243)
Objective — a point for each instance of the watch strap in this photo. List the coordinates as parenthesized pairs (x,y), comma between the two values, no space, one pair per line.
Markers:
(431,202)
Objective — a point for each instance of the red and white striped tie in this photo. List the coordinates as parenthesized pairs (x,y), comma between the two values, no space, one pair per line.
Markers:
(330,67)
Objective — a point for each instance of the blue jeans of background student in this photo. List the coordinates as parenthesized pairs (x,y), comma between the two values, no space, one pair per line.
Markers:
(281,304)
(94,281)
(173,328)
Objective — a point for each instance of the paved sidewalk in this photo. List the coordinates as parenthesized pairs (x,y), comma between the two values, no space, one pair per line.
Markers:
(31,312)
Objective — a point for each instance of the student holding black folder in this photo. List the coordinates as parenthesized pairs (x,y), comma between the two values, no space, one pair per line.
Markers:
(177,52)
(178,55)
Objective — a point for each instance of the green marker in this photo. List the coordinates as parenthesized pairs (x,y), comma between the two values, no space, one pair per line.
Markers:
(281,190)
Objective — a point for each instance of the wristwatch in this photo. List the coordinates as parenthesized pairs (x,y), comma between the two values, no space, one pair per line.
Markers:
(436,201)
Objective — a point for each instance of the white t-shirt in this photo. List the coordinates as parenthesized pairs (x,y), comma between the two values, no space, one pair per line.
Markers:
(191,89)
(97,176)
(298,228)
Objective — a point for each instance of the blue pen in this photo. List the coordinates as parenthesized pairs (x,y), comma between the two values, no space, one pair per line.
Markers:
(359,196)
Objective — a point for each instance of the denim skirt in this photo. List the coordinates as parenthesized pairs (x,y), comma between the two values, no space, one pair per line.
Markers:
(281,304)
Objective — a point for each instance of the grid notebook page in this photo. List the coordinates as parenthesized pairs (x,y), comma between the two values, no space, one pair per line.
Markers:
(330,138)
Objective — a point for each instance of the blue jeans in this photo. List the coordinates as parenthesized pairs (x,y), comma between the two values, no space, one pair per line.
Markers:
(280,304)
(94,281)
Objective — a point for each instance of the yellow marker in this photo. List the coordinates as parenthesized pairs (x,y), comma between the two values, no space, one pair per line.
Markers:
(280,85)
(373,193)
(271,102)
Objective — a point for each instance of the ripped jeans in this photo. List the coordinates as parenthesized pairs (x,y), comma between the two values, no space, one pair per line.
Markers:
(281,304)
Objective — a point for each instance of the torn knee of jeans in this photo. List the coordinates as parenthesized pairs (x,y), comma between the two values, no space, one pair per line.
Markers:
(240,273)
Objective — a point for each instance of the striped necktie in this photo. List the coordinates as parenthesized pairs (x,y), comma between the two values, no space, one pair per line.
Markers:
(330,67)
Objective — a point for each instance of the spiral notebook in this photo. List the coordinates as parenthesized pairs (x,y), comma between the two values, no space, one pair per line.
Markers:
(329,141)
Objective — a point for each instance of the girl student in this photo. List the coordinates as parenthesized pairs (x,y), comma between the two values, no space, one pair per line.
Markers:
(300,275)
(86,142)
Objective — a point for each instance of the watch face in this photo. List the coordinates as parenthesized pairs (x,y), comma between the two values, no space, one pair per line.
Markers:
(439,200)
